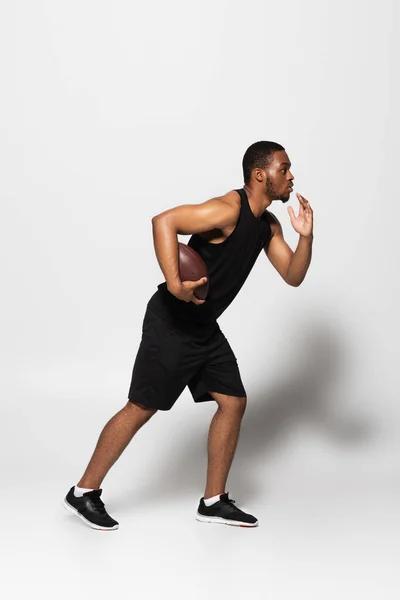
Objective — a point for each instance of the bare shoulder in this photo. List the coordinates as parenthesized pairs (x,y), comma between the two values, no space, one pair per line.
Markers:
(232,198)
(274,223)
(228,205)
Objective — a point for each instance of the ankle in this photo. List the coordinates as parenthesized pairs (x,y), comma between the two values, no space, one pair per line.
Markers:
(209,501)
(86,483)
(212,494)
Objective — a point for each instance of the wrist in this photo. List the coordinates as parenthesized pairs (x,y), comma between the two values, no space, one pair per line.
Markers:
(174,286)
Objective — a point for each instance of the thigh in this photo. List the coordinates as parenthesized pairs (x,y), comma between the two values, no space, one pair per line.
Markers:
(220,373)
(164,364)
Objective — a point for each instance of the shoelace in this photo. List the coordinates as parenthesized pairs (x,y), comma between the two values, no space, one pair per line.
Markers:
(97,503)
(232,504)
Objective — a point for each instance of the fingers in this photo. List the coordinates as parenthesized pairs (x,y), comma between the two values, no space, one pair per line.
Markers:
(291,212)
(201,281)
(197,284)
(190,287)
(304,203)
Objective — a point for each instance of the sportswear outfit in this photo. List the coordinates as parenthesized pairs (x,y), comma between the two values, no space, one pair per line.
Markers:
(183,345)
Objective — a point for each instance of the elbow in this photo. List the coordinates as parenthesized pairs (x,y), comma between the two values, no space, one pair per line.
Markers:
(161,218)
(163,223)
(293,284)
(157,223)
(290,281)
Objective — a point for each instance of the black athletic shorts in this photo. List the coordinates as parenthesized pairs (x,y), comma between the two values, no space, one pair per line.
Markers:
(171,357)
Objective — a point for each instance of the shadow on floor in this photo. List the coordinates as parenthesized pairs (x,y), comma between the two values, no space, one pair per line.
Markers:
(303,395)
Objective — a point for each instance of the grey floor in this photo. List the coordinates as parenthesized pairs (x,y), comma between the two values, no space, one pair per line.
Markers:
(328,507)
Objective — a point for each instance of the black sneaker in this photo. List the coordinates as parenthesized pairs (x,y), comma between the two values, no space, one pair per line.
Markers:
(90,509)
(225,511)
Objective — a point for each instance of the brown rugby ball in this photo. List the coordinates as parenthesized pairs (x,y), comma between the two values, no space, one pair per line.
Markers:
(191,268)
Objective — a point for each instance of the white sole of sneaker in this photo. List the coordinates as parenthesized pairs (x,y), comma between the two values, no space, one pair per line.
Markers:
(92,525)
(222,521)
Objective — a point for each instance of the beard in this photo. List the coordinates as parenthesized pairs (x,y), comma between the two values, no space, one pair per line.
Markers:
(272,193)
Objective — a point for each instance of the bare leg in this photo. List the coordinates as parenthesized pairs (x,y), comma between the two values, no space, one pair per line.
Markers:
(222,441)
(113,440)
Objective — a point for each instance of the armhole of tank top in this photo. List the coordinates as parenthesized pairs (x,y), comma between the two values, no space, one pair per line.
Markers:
(268,224)
(207,244)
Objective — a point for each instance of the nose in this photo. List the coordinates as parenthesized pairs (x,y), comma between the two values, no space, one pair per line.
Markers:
(291,177)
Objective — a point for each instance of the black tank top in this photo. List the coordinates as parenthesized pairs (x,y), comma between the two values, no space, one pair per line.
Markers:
(228,263)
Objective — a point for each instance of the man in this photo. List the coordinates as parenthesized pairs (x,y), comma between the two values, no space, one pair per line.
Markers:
(182,343)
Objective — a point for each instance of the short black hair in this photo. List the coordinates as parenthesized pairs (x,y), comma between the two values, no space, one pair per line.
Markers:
(258,155)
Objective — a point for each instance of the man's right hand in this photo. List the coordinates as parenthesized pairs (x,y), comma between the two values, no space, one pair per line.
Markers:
(185,291)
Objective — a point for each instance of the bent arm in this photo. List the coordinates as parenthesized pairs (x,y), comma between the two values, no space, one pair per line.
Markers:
(292,266)
(300,261)
(186,220)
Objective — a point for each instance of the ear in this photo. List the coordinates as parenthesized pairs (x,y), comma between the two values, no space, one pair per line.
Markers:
(259,175)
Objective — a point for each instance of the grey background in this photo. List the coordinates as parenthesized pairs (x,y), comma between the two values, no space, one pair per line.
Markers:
(110,113)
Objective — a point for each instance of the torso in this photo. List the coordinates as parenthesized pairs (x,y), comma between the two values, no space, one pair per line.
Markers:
(229,254)
(217,236)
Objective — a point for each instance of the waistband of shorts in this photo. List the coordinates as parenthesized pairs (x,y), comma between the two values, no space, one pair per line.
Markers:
(194,329)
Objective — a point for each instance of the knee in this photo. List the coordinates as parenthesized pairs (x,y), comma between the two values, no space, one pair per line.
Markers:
(236,404)
(145,411)
(241,404)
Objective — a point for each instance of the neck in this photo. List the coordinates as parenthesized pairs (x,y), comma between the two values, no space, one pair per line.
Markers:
(258,199)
